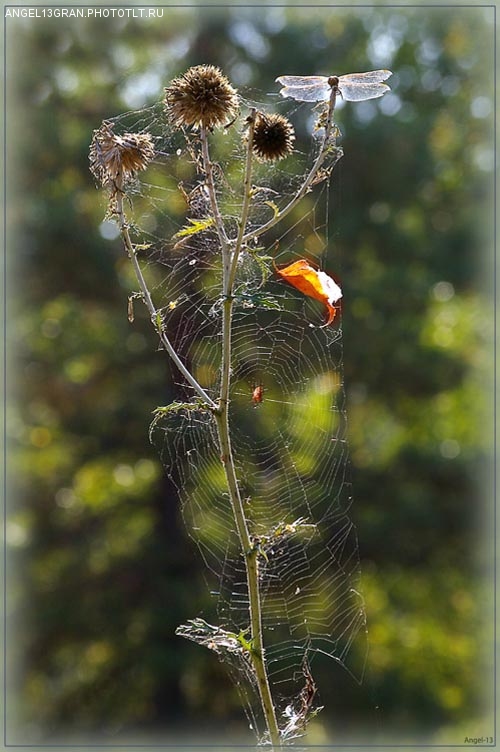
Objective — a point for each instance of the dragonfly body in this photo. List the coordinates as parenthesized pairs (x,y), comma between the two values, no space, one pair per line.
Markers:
(353,87)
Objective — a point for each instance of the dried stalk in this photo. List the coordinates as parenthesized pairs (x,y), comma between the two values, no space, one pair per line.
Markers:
(230,254)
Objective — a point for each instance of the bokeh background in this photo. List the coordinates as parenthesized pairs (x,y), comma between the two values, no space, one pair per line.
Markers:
(100,569)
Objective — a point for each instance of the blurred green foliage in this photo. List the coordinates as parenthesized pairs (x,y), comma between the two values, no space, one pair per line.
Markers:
(101,570)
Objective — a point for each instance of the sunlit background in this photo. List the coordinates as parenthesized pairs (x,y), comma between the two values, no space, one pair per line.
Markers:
(100,568)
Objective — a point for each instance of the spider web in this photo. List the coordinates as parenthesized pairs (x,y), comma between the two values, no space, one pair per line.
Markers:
(290,449)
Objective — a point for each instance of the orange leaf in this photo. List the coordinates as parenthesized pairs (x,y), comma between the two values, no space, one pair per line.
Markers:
(315,284)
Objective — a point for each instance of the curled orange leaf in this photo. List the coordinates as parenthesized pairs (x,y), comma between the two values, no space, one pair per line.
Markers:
(314,283)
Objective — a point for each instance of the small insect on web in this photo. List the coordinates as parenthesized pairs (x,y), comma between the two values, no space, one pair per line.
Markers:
(258,394)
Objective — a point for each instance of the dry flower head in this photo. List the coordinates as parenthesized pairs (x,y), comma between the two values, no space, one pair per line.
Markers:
(273,137)
(202,96)
(115,160)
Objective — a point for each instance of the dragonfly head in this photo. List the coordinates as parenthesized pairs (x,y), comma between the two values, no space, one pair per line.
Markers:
(333,81)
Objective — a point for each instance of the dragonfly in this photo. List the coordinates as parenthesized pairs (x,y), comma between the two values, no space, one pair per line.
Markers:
(353,87)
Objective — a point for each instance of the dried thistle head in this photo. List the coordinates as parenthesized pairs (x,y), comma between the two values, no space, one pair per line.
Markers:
(273,137)
(202,96)
(115,160)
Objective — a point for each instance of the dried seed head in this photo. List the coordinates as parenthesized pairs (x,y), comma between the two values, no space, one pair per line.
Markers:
(202,96)
(273,137)
(114,160)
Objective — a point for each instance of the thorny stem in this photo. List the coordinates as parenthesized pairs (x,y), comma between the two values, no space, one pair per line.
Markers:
(252,571)
(221,415)
(153,312)
(309,179)
(230,255)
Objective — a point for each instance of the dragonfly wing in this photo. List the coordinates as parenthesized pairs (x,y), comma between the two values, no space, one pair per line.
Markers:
(354,87)
(360,92)
(315,93)
(302,80)
(370,77)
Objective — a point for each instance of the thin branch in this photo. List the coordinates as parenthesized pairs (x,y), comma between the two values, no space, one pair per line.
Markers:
(230,262)
(309,179)
(247,195)
(208,167)
(153,312)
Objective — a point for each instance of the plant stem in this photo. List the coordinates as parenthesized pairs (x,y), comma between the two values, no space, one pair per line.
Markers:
(247,195)
(252,572)
(309,179)
(214,205)
(153,312)
(230,255)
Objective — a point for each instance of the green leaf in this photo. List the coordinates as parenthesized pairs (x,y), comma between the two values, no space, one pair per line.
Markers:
(245,644)
(176,406)
(273,207)
(262,262)
(258,299)
(194,227)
